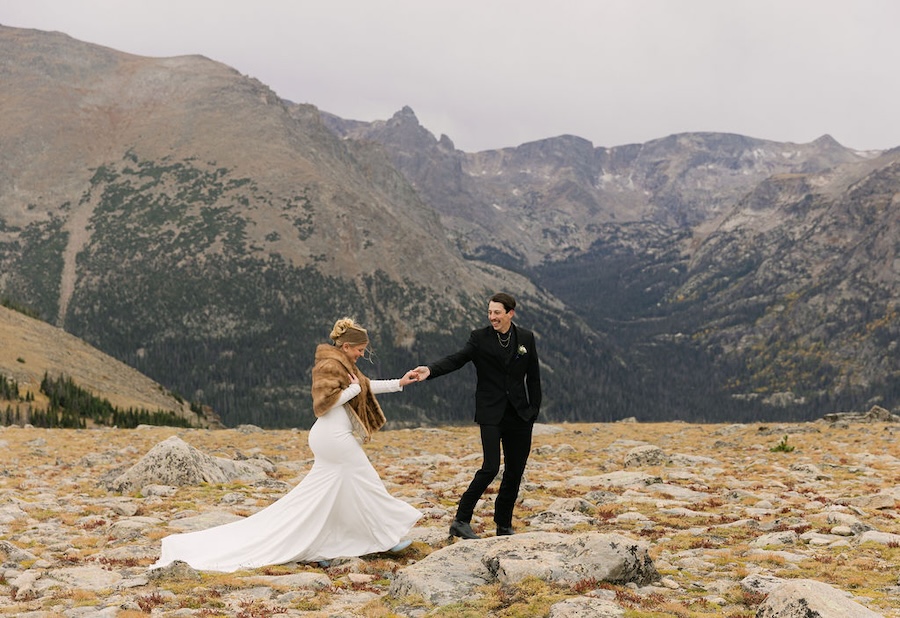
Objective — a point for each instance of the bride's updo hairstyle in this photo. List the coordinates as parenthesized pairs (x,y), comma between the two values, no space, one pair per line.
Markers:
(347,331)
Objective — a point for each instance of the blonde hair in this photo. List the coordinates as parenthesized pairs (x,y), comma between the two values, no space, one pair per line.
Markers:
(347,331)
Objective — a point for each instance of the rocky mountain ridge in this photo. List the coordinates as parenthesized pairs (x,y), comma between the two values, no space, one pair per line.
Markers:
(710,236)
(184,219)
(559,189)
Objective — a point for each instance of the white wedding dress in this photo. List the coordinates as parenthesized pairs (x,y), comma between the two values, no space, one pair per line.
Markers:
(340,509)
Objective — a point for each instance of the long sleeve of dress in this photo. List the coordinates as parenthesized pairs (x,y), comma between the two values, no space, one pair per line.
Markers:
(385,386)
(377,386)
(347,394)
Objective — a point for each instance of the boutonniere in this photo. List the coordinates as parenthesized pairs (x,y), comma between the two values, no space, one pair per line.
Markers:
(522,351)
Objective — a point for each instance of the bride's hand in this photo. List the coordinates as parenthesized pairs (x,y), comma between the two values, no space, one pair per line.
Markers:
(410,377)
(354,379)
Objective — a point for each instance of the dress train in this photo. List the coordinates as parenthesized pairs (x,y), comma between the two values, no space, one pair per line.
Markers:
(340,509)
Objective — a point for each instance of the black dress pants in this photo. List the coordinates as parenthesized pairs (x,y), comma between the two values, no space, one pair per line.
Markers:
(514,435)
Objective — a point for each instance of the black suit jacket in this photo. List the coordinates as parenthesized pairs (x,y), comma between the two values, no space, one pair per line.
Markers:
(501,377)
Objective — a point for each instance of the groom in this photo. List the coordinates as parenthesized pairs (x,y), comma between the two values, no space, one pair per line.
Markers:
(507,402)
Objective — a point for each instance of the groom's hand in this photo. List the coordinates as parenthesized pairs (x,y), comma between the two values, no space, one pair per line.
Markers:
(423,372)
(409,377)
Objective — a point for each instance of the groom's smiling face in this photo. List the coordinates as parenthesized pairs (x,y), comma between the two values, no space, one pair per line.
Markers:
(500,318)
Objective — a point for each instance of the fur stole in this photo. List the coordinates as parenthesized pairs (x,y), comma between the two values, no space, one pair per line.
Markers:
(330,376)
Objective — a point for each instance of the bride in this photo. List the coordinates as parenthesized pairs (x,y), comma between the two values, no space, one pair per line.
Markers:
(340,508)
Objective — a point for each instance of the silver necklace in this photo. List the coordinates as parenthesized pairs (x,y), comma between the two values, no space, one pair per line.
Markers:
(504,344)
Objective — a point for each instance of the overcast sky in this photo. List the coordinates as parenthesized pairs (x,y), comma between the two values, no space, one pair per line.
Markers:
(496,73)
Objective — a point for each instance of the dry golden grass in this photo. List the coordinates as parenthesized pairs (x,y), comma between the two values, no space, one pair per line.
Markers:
(30,348)
(857,461)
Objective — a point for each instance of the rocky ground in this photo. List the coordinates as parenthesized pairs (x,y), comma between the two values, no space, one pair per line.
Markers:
(724,517)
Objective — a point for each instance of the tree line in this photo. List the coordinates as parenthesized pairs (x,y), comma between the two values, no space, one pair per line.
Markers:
(72,407)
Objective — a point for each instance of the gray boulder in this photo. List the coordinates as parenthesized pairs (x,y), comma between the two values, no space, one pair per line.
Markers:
(807,598)
(586,607)
(645,455)
(876,414)
(11,553)
(761,584)
(174,462)
(456,572)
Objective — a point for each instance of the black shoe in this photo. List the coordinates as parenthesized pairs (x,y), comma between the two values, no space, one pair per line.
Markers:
(505,531)
(462,529)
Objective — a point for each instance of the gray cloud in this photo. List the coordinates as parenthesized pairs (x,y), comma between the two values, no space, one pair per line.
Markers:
(500,73)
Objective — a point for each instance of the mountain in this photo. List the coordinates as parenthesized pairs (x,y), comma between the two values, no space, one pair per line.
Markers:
(182,218)
(811,263)
(31,349)
(724,269)
(544,200)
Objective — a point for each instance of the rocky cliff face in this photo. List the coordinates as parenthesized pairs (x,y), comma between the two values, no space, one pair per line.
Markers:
(817,270)
(767,264)
(182,218)
(543,200)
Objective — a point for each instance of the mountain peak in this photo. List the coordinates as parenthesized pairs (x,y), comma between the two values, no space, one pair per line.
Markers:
(826,141)
(405,114)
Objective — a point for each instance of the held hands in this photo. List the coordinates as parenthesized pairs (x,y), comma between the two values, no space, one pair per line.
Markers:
(409,377)
(418,374)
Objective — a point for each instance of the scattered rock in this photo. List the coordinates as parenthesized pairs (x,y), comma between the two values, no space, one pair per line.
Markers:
(175,462)
(302,581)
(541,429)
(586,607)
(646,455)
(882,538)
(876,414)
(807,598)
(787,537)
(761,584)
(84,553)
(456,572)
(11,553)
(86,578)
(176,570)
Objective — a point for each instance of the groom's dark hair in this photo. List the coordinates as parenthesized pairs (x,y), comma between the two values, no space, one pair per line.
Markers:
(508,302)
